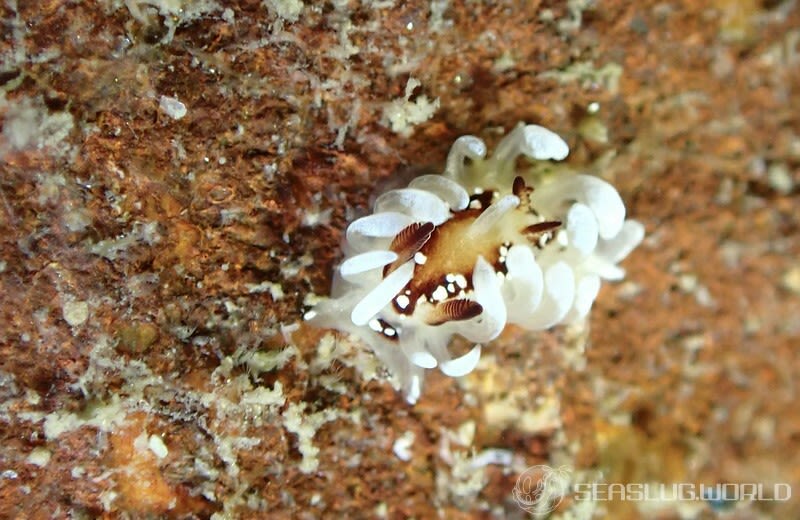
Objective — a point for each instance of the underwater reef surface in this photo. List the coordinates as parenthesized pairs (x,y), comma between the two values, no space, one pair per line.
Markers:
(175,180)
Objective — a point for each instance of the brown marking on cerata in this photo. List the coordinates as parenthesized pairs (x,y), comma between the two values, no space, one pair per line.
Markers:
(407,242)
(387,331)
(485,198)
(542,227)
(523,191)
(454,310)
(519,188)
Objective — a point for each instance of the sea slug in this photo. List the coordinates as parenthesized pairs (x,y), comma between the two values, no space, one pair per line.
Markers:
(475,248)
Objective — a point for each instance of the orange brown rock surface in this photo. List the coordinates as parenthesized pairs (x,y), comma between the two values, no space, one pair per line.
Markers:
(155,267)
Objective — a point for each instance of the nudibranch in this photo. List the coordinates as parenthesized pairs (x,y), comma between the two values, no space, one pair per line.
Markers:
(475,248)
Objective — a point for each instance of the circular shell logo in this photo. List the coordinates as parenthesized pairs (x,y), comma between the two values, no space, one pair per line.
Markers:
(540,489)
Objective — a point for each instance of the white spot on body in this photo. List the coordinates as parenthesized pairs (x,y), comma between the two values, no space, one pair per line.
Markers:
(376,325)
(420,258)
(543,240)
(440,294)
(402,301)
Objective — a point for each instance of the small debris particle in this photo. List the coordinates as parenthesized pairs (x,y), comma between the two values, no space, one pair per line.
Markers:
(288,10)
(402,445)
(138,337)
(39,457)
(172,107)
(780,179)
(402,114)
(791,279)
(687,283)
(75,313)
(275,290)
(157,446)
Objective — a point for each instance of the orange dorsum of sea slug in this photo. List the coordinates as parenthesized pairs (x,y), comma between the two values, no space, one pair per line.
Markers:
(452,250)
